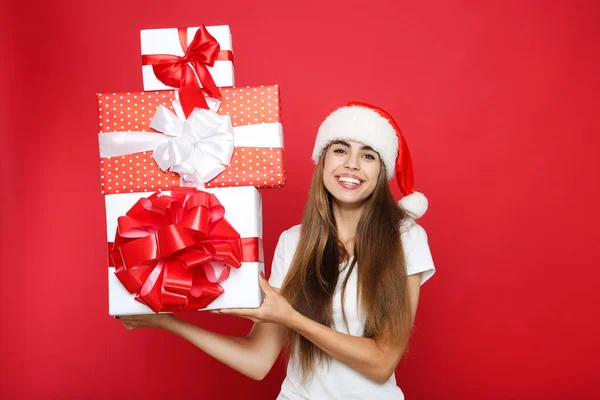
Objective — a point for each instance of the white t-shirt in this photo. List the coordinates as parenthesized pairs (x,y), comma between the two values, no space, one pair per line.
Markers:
(338,381)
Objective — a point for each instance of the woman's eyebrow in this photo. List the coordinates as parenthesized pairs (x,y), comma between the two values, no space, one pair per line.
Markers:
(346,144)
(341,142)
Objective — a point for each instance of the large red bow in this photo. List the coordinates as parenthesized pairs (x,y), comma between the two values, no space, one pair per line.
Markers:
(172,251)
(180,72)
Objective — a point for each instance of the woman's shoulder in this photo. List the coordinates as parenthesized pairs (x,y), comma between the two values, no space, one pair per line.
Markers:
(412,234)
(287,245)
(284,252)
(291,236)
(409,224)
(416,250)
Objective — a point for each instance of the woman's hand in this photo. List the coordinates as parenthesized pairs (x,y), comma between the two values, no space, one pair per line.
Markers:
(275,308)
(147,321)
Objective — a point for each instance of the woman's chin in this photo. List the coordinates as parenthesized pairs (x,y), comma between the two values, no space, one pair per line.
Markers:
(348,200)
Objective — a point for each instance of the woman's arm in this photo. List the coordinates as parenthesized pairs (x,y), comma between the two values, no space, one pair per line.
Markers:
(375,358)
(252,355)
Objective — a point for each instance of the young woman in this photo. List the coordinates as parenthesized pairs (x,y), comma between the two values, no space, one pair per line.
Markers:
(344,285)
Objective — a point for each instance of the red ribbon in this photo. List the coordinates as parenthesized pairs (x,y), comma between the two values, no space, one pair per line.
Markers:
(180,72)
(167,250)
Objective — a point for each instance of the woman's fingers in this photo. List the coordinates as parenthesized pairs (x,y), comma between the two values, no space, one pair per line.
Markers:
(240,312)
(264,285)
(141,321)
(248,313)
(128,326)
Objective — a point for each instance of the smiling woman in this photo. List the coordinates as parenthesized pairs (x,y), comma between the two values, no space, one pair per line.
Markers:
(351,171)
(345,284)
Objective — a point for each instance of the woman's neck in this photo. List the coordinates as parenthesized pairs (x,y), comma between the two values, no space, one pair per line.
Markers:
(346,221)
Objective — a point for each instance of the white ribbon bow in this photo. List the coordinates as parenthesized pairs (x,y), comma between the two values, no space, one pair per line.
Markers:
(196,148)
(199,146)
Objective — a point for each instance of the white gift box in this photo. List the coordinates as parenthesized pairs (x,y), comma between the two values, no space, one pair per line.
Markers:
(243,210)
(166,41)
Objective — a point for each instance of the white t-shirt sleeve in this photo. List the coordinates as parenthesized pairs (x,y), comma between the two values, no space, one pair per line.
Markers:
(278,271)
(417,253)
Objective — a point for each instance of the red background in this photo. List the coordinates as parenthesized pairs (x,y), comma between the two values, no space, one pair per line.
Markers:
(498,101)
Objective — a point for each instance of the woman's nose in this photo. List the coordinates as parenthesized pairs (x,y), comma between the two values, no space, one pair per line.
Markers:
(351,162)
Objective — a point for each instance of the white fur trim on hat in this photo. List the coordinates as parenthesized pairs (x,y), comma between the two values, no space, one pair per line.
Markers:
(415,204)
(363,125)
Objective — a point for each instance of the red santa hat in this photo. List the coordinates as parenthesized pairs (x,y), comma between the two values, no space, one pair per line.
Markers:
(376,128)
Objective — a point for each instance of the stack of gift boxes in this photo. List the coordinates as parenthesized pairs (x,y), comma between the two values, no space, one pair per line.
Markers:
(180,163)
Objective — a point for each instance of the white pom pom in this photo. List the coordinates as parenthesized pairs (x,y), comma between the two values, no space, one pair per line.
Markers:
(415,204)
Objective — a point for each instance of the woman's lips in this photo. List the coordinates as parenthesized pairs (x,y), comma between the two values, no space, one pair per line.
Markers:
(349,181)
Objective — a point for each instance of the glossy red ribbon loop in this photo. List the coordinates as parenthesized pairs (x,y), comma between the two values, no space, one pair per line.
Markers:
(181,72)
(173,251)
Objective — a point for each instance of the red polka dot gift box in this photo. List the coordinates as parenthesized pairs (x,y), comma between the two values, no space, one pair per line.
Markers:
(147,143)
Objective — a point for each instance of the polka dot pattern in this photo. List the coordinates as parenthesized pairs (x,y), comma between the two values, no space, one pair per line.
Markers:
(249,166)
(251,105)
(253,166)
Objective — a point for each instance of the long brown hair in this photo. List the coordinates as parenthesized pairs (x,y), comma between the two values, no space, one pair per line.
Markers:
(382,285)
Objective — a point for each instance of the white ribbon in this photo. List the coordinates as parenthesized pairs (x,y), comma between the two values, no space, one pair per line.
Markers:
(258,135)
(197,148)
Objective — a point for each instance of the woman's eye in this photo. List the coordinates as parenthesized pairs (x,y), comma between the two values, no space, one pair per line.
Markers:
(370,156)
(339,151)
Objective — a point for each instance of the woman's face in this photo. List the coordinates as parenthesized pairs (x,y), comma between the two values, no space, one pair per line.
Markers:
(350,171)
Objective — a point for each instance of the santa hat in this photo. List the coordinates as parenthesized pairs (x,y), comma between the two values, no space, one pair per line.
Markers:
(376,128)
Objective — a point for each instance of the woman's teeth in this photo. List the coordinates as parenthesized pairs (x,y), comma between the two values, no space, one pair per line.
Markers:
(349,181)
